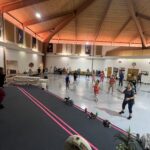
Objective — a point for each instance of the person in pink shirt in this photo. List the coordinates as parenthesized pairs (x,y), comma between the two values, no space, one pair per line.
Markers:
(112,82)
(96,89)
(102,75)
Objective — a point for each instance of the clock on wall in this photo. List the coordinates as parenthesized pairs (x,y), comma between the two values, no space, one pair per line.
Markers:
(134,64)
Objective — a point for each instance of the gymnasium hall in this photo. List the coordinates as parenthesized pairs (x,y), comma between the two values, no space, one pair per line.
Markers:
(74,74)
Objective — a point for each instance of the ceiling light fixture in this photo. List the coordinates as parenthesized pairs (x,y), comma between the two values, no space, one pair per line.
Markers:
(87,43)
(38,15)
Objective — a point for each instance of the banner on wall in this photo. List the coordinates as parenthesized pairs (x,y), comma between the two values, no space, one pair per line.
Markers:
(19,35)
(33,42)
(88,49)
(50,48)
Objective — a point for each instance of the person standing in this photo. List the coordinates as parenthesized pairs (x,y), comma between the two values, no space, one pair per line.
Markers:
(79,72)
(2,81)
(88,73)
(102,75)
(75,76)
(93,76)
(134,82)
(128,99)
(139,78)
(67,80)
(112,82)
(96,89)
(45,73)
(121,78)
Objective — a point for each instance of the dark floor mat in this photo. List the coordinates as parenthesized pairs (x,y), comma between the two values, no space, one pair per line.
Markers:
(92,130)
(24,127)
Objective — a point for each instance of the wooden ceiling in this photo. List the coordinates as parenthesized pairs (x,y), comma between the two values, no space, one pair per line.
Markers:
(102,22)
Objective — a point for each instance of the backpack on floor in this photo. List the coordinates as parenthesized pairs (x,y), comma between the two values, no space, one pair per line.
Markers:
(68,101)
(106,124)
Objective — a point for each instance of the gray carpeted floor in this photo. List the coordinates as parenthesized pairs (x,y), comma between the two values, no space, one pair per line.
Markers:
(23,126)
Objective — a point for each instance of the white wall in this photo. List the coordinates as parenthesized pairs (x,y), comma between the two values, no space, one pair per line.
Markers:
(24,59)
(1,57)
(141,64)
(74,63)
(102,64)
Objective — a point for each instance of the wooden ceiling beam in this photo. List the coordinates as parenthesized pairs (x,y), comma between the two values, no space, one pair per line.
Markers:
(137,23)
(122,28)
(52,29)
(102,20)
(60,26)
(143,16)
(56,29)
(46,18)
(21,4)
(8,3)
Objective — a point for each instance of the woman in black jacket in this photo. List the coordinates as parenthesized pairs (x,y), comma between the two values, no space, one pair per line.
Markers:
(128,99)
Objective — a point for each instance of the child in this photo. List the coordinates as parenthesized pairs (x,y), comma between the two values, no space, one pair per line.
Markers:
(67,81)
(112,81)
(96,89)
(102,75)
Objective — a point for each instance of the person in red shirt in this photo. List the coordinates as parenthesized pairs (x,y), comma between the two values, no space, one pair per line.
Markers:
(102,75)
(112,82)
(96,89)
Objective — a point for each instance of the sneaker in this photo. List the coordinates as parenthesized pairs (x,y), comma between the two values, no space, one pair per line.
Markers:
(121,112)
(129,117)
(1,106)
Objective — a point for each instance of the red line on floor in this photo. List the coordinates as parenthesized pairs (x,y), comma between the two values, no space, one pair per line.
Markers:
(46,112)
(52,113)
(100,119)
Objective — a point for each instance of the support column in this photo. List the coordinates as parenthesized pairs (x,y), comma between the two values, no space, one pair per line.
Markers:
(45,45)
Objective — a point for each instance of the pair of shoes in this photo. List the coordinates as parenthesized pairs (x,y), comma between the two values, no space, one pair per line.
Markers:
(1,106)
(129,117)
(121,112)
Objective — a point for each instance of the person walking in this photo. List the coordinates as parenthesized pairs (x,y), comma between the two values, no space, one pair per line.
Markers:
(93,76)
(75,76)
(139,77)
(121,78)
(112,82)
(128,100)
(96,89)
(67,80)
(102,75)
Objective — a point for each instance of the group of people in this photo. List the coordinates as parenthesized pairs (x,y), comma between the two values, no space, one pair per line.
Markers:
(129,91)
